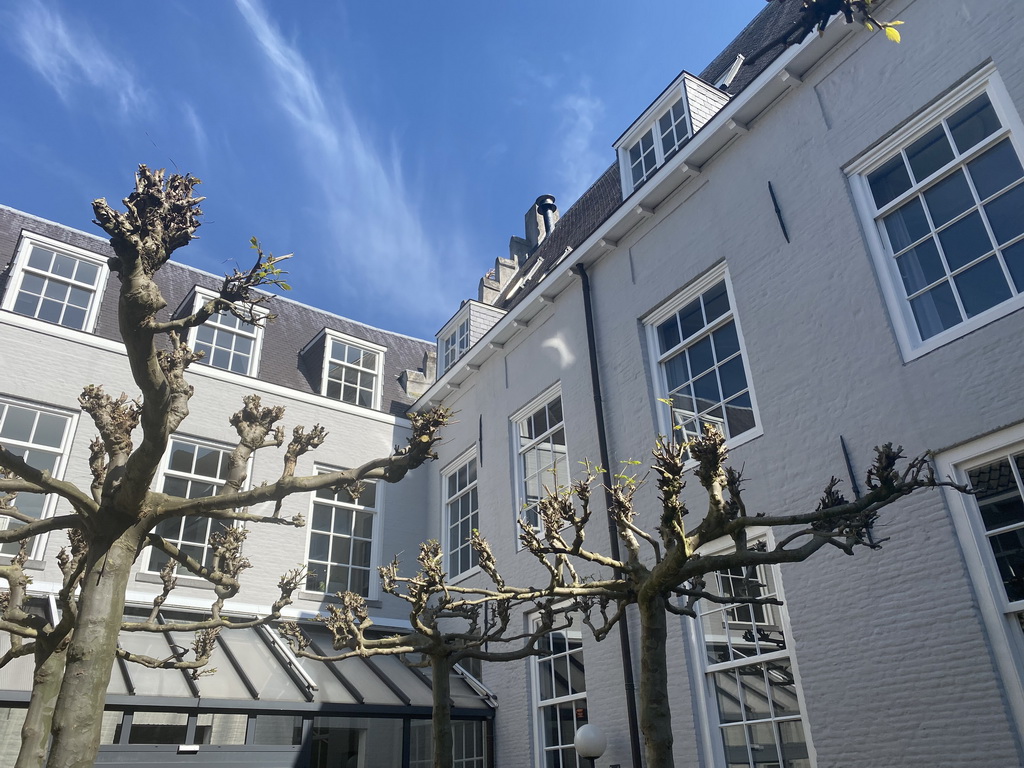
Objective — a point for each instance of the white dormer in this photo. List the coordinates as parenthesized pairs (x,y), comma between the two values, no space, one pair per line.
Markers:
(679,112)
(466,327)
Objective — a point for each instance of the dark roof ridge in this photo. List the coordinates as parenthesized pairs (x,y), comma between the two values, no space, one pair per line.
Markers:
(42,220)
(579,221)
(775,17)
(174,263)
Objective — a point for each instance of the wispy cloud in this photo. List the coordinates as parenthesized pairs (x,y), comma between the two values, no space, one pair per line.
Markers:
(576,154)
(72,60)
(195,127)
(581,157)
(374,215)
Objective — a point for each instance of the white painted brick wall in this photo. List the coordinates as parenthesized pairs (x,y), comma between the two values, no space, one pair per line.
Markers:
(57,378)
(895,665)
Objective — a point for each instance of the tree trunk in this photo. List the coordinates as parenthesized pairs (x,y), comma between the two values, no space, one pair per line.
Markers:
(655,714)
(35,733)
(79,712)
(441,722)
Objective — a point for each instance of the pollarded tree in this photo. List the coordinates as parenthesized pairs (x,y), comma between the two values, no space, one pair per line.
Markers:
(673,574)
(450,623)
(112,521)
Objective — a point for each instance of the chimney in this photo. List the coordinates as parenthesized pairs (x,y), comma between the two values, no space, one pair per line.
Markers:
(415,383)
(540,220)
(430,365)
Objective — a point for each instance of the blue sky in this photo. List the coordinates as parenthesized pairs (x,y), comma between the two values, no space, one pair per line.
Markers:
(392,146)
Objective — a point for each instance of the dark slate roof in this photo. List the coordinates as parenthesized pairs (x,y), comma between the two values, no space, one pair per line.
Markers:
(777,17)
(601,200)
(576,225)
(296,324)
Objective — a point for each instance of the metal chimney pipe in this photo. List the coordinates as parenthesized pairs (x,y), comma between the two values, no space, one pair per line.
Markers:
(549,211)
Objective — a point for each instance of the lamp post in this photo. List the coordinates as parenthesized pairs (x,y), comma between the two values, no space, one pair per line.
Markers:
(590,743)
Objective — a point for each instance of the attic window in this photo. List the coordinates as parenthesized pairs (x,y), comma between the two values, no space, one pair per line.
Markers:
(664,135)
(665,127)
(456,344)
(226,341)
(674,129)
(56,282)
(352,370)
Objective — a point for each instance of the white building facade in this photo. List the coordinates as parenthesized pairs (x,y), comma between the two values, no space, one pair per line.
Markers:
(263,706)
(831,259)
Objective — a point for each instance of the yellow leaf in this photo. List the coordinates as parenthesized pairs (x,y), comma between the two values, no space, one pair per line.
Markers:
(895,23)
(869,26)
(892,34)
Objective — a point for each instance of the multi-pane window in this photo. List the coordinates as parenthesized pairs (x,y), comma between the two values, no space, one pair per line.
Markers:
(951,206)
(462,517)
(561,698)
(990,525)
(642,158)
(997,488)
(456,344)
(543,459)
(948,205)
(228,343)
(658,143)
(341,540)
(193,471)
(352,373)
(673,129)
(750,682)
(701,361)
(39,437)
(57,287)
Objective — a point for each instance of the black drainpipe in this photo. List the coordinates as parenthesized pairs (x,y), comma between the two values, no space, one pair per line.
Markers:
(625,647)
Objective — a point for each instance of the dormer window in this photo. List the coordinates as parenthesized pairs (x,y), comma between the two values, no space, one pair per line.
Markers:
(56,283)
(674,127)
(352,370)
(646,155)
(456,344)
(466,327)
(643,159)
(225,341)
(662,130)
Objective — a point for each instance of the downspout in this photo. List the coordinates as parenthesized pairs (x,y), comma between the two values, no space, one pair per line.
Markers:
(625,647)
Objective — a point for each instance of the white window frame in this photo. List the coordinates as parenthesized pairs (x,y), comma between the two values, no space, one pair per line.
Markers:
(650,122)
(987,81)
(538,704)
(20,267)
(707,704)
(519,449)
(1004,631)
(455,344)
(330,337)
(38,546)
(166,472)
(660,378)
(454,467)
(199,297)
(376,513)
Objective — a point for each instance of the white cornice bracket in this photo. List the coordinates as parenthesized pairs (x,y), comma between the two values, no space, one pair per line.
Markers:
(790,78)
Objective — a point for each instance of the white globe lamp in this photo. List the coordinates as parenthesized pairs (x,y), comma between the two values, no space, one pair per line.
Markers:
(590,742)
